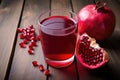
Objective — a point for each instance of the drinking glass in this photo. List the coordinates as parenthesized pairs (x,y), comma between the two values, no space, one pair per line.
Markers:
(58,31)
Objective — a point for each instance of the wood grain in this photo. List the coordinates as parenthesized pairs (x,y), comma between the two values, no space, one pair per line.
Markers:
(22,68)
(9,18)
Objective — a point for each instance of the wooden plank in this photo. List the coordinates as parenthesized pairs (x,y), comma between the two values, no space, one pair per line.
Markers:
(79,4)
(67,73)
(22,67)
(9,18)
(111,71)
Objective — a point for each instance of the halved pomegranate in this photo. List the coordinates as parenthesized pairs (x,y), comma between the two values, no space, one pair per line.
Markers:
(89,53)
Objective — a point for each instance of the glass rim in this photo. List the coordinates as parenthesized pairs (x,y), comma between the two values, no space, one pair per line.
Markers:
(69,11)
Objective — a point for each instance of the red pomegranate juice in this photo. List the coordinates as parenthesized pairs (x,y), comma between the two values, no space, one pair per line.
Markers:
(58,38)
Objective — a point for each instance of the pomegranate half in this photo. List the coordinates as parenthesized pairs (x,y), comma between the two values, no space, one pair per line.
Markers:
(97,20)
(89,53)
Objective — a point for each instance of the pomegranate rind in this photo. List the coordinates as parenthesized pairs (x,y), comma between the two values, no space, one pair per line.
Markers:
(94,45)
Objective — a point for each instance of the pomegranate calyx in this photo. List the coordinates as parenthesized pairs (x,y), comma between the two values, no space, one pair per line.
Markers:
(100,5)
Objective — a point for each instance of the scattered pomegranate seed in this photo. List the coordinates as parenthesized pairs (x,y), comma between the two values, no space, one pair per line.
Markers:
(24,30)
(22,45)
(39,37)
(32,34)
(31,47)
(28,35)
(47,72)
(33,38)
(32,30)
(25,34)
(41,67)
(25,41)
(22,36)
(28,30)
(35,63)
(33,43)
(30,26)
(19,30)
(30,51)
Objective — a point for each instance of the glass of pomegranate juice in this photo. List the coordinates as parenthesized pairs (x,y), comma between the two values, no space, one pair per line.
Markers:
(58,31)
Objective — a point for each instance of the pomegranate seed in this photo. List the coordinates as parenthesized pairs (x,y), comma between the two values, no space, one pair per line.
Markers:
(22,36)
(25,41)
(47,72)
(33,38)
(28,34)
(33,43)
(32,34)
(19,30)
(30,26)
(25,34)
(31,47)
(38,37)
(41,67)
(30,51)
(32,30)
(28,38)
(24,30)
(35,63)
(22,45)
(28,30)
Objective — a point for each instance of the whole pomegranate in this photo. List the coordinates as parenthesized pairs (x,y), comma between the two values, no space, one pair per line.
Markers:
(97,20)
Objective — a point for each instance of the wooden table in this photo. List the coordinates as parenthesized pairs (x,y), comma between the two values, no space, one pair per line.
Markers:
(16,63)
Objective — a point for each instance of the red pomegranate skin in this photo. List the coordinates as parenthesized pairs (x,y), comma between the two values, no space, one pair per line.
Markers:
(97,23)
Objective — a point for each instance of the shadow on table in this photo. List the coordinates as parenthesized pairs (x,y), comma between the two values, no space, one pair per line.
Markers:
(113,42)
(66,73)
(105,73)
